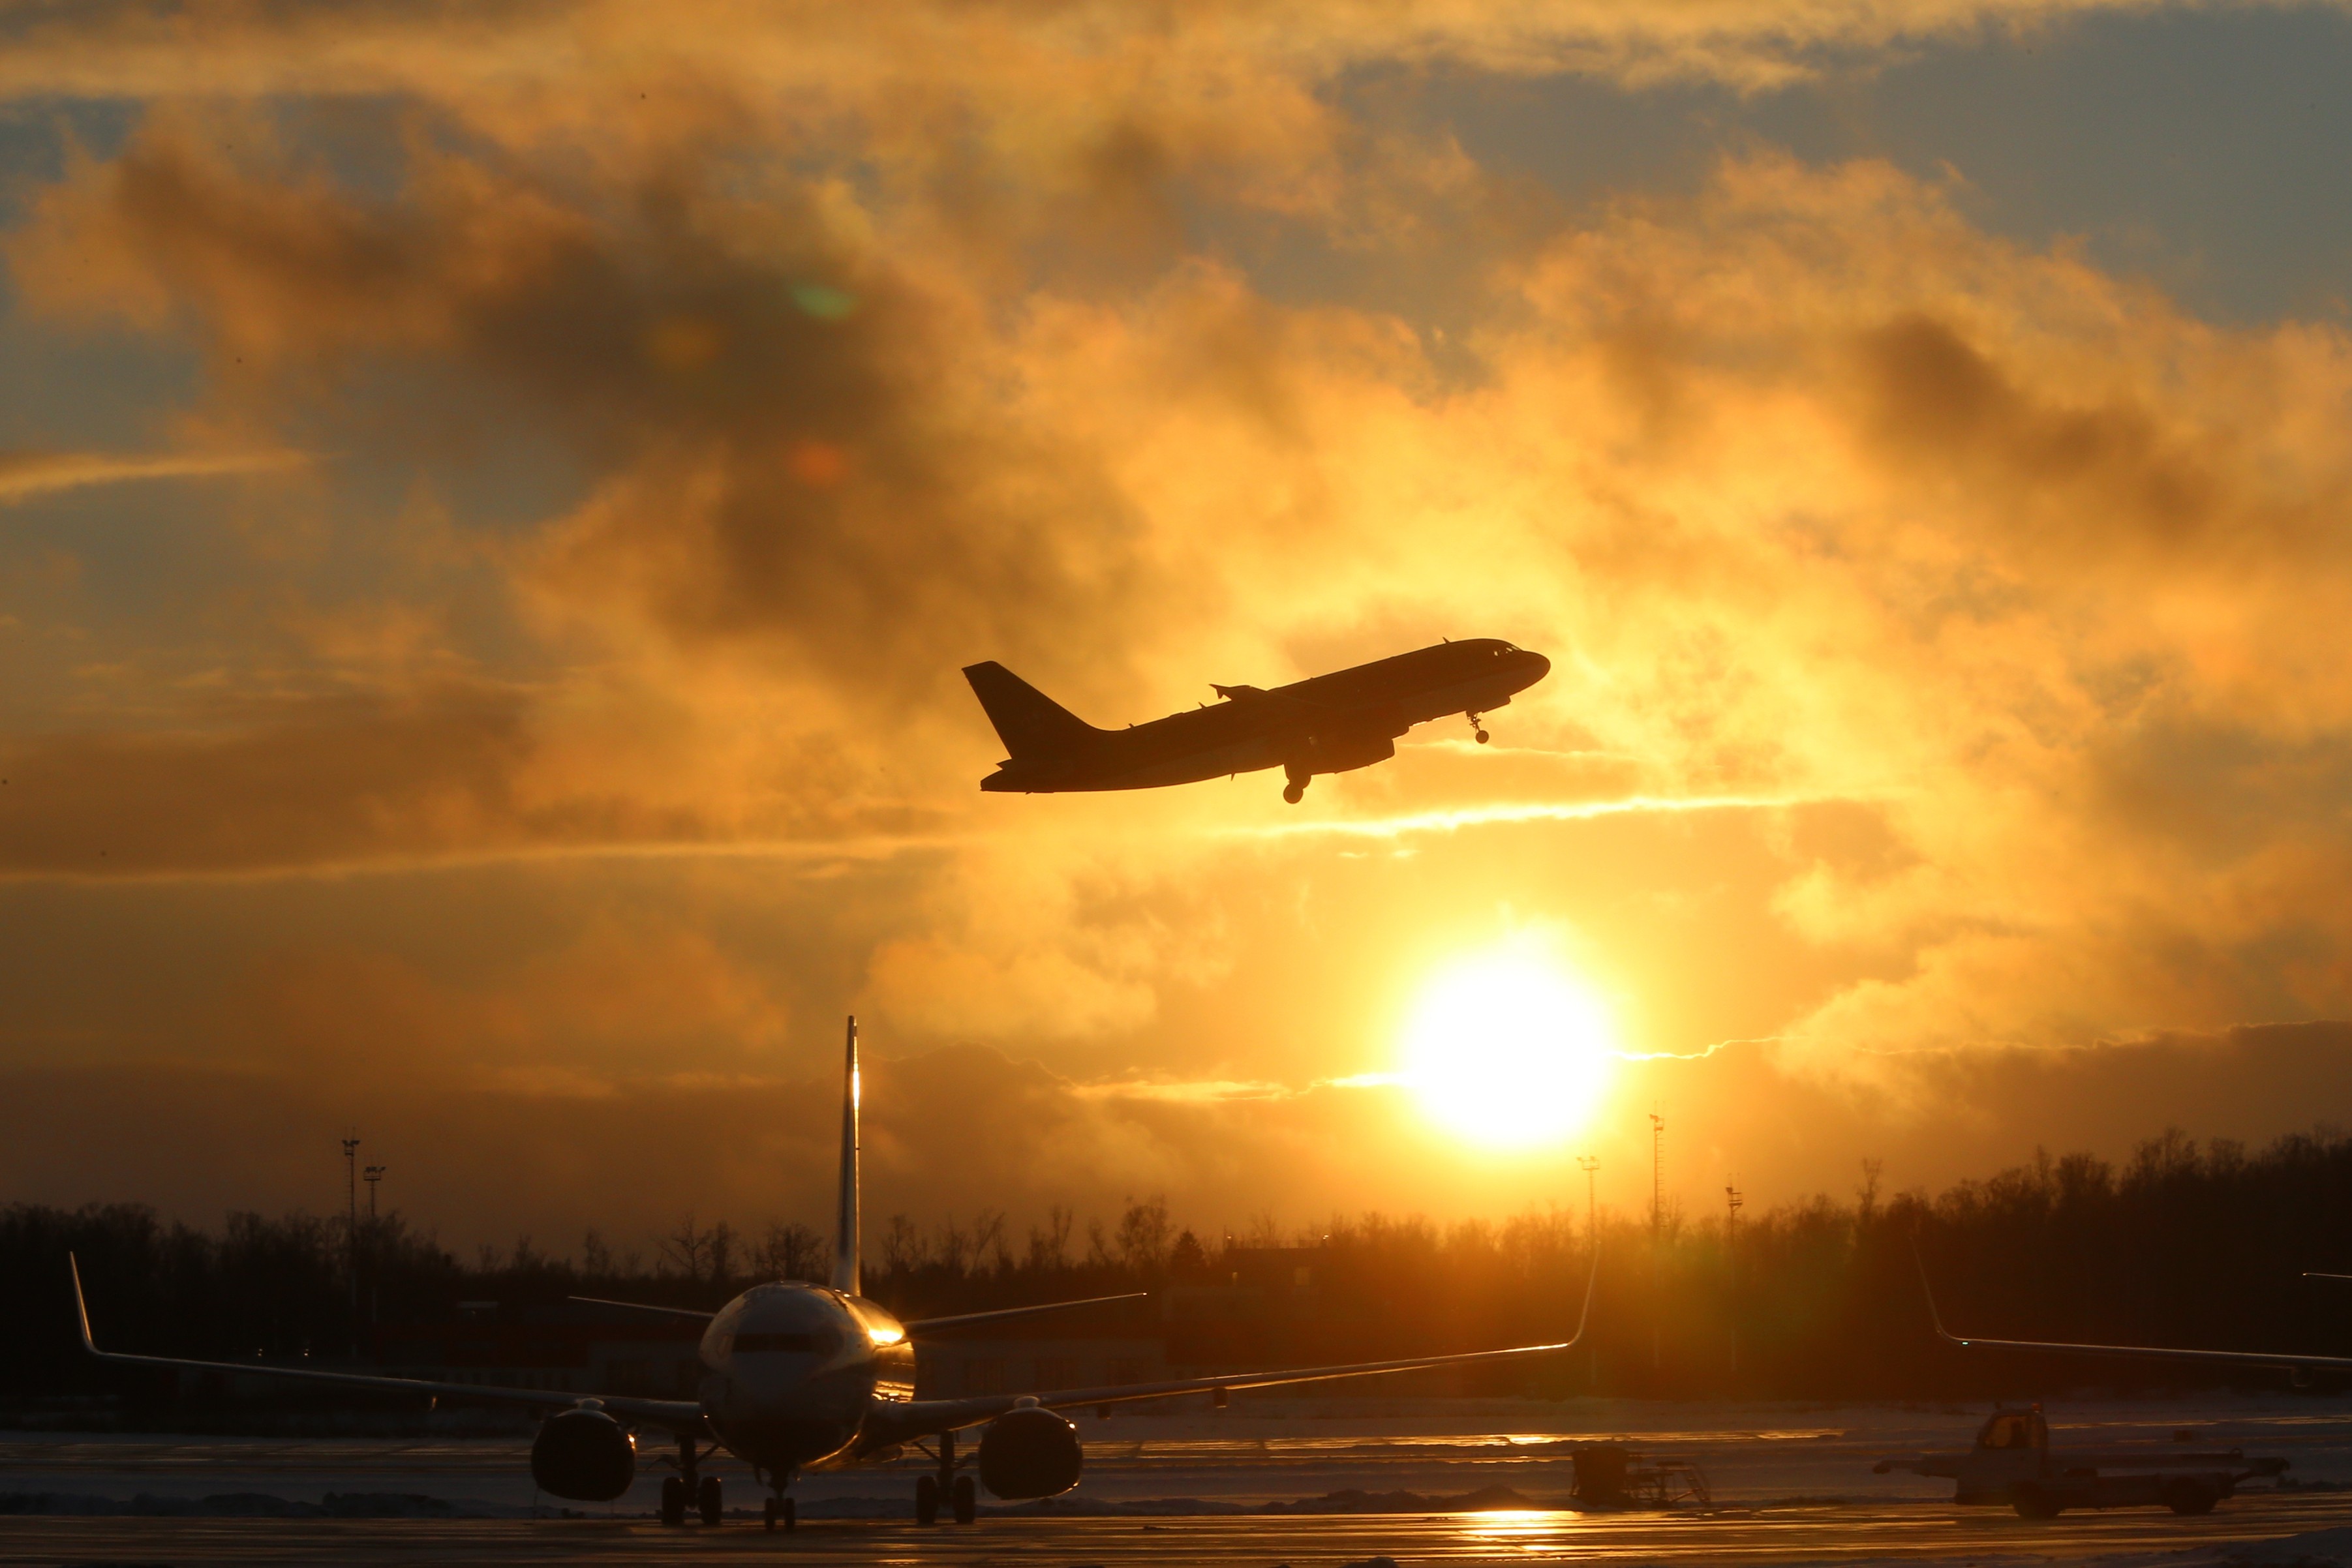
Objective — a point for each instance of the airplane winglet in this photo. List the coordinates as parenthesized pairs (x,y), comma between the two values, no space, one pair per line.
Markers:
(1929,1292)
(1585,1315)
(82,1307)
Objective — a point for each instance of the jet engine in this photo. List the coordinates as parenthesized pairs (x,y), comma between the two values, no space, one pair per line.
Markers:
(584,1455)
(1029,1452)
(1340,753)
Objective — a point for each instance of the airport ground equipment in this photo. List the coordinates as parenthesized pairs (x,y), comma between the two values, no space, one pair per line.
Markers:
(1611,1475)
(2013,1465)
(1336,723)
(799,1376)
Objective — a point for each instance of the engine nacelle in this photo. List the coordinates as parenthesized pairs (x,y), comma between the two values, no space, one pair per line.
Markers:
(584,1455)
(1341,753)
(1029,1452)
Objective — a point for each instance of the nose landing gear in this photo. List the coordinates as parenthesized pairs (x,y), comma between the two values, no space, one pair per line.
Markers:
(1477,730)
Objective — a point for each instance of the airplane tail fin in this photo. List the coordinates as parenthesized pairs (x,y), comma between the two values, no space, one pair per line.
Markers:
(844,1225)
(1030,723)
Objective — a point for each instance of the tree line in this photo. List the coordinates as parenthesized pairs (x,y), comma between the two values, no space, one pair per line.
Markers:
(2184,1243)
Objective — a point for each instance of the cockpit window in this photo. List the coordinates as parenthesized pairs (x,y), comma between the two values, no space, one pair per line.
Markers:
(820,1343)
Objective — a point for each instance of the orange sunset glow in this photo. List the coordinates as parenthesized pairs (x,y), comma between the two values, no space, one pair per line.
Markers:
(496,503)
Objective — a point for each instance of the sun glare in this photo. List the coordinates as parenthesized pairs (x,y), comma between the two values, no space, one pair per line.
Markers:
(1508,1051)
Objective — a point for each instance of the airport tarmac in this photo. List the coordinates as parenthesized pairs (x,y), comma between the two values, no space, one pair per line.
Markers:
(1791,1484)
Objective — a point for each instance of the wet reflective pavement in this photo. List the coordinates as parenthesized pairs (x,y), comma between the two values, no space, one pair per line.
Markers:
(1791,1484)
(1847,1535)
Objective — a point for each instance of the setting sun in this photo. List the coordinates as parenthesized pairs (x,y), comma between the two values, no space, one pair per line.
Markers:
(1509,1050)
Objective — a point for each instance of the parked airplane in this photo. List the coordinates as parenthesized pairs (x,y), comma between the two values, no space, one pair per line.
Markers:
(798,1375)
(2297,1365)
(1329,724)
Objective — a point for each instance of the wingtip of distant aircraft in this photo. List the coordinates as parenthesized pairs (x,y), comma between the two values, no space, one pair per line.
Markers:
(81,1306)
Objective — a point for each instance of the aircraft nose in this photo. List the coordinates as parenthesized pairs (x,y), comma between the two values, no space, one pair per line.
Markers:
(1538,667)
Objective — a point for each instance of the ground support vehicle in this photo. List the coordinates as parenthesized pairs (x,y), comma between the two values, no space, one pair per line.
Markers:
(2013,1464)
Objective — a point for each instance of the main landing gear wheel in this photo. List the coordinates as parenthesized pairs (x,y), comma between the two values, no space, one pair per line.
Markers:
(1293,793)
(707,1502)
(673,1500)
(967,1503)
(927,1499)
(780,1510)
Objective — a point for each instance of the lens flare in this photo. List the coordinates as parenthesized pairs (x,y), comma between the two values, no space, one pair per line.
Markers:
(1509,1050)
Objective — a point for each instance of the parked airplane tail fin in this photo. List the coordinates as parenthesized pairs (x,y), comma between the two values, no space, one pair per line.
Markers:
(845,1225)
(1030,723)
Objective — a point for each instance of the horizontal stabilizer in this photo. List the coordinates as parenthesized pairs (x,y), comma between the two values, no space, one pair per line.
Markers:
(965,1319)
(699,1317)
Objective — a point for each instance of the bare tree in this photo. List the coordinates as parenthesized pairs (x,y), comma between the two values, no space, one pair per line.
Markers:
(794,1252)
(1049,1249)
(1143,1233)
(686,1247)
(988,1246)
(903,1246)
(720,1249)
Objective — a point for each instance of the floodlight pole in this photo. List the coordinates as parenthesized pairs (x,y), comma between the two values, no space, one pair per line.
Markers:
(1589,1164)
(1657,1227)
(352,1224)
(1732,1200)
(373,1175)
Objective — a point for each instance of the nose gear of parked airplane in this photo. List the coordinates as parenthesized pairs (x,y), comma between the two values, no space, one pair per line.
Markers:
(778,1507)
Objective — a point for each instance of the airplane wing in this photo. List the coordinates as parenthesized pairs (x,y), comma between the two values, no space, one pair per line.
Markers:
(965,1319)
(677,1415)
(2280,1361)
(920,1418)
(697,1315)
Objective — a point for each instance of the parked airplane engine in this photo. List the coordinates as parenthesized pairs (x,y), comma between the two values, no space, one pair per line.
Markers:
(1029,1452)
(1342,753)
(584,1455)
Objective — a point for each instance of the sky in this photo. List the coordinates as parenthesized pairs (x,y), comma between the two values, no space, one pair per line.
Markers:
(495,500)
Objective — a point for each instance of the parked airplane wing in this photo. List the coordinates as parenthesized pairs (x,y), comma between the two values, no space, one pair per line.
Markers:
(2283,1362)
(696,1314)
(904,1422)
(963,1319)
(677,1415)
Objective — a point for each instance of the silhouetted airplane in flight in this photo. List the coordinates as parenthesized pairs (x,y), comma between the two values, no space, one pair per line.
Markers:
(1329,724)
(798,1374)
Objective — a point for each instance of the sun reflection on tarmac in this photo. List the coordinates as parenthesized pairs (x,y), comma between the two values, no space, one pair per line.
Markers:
(1524,1529)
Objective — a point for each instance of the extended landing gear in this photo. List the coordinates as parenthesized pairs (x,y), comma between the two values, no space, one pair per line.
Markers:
(1294,790)
(1477,729)
(962,1497)
(780,1510)
(690,1487)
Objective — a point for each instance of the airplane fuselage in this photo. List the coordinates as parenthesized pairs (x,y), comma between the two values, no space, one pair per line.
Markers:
(792,1373)
(1327,724)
